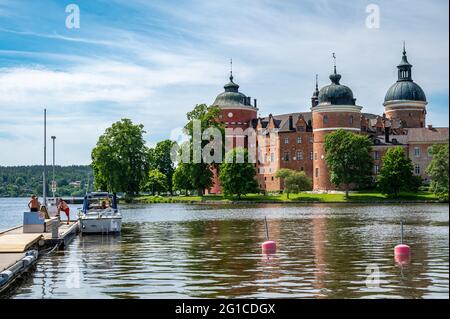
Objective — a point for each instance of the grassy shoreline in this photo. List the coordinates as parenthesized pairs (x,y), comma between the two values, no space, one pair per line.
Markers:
(355,197)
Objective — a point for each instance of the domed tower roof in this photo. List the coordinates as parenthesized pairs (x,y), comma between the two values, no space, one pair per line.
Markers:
(231,97)
(405,88)
(336,93)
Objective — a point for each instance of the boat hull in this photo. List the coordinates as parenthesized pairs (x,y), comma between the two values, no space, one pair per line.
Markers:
(101,225)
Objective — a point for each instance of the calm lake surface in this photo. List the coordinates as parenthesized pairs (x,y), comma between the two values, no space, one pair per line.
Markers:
(197,251)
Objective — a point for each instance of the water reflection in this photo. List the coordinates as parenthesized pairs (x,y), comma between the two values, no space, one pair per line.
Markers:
(170,251)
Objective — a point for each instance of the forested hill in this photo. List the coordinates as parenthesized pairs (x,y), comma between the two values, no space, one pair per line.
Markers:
(19,181)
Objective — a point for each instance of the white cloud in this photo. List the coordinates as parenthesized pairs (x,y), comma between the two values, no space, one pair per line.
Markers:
(157,70)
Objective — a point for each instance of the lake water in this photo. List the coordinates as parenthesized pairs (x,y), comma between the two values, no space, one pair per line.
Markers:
(196,251)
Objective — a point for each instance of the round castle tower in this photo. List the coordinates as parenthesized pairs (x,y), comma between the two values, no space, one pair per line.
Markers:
(236,112)
(336,109)
(405,101)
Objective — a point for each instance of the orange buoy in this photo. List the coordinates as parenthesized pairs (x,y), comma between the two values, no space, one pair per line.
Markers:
(269,246)
(402,251)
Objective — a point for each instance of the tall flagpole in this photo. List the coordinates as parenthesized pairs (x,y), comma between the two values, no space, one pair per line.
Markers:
(53,181)
(45,159)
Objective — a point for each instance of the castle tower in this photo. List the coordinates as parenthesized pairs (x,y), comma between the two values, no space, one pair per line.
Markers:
(237,112)
(336,109)
(405,101)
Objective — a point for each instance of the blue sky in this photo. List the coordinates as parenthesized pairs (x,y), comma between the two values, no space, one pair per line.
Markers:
(152,61)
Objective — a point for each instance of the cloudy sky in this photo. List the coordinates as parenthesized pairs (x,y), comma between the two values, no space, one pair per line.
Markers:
(153,60)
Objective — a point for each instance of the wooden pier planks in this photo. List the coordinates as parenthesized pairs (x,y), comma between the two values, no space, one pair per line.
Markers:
(9,259)
(17,243)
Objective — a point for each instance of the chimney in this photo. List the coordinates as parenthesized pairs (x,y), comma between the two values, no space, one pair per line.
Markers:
(249,99)
(386,134)
(254,100)
(291,123)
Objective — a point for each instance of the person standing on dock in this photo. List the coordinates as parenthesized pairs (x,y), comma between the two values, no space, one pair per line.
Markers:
(62,206)
(34,204)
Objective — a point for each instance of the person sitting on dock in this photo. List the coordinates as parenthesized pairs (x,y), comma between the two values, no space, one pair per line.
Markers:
(104,205)
(34,204)
(62,206)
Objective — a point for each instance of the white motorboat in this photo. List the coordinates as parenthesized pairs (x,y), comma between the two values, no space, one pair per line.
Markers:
(100,214)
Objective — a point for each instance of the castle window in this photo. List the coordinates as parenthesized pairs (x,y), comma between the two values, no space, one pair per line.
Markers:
(417,151)
(311,156)
(325,119)
(286,156)
(272,177)
(376,169)
(417,169)
(376,155)
(301,128)
(311,140)
(272,157)
(315,156)
(299,140)
(299,155)
(430,151)
(317,172)
(286,140)
(351,119)
(301,168)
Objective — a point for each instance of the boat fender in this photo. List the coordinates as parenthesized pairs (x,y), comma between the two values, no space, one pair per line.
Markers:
(6,275)
(28,260)
(33,253)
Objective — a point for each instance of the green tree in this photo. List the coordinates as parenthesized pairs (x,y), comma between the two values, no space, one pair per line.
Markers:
(119,158)
(294,181)
(200,173)
(348,159)
(181,179)
(237,178)
(156,182)
(438,171)
(396,173)
(160,159)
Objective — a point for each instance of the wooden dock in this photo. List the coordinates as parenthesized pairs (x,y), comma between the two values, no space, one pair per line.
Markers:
(19,250)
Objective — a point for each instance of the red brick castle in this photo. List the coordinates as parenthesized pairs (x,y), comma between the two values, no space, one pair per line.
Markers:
(296,140)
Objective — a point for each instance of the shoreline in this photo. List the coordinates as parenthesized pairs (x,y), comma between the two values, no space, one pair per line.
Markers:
(175,200)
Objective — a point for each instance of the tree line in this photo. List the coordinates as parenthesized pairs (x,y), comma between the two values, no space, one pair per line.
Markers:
(23,181)
(122,162)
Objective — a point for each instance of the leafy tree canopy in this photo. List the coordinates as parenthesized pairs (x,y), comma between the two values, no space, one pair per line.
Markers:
(348,159)
(294,181)
(438,171)
(160,159)
(396,173)
(156,182)
(237,178)
(181,178)
(200,174)
(119,160)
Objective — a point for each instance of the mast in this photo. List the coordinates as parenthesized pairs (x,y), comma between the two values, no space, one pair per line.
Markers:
(53,181)
(44,188)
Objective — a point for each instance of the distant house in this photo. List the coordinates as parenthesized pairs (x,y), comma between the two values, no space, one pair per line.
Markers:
(75,184)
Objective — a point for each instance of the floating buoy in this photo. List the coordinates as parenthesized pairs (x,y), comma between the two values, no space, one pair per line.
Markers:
(269,246)
(402,251)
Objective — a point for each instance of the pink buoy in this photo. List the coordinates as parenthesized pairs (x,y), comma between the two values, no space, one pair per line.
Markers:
(269,246)
(402,260)
(402,251)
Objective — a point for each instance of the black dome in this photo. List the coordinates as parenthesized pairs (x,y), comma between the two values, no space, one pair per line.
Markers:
(335,93)
(232,97)
(405,90)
